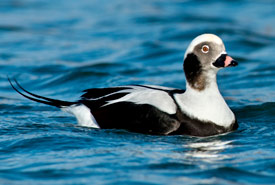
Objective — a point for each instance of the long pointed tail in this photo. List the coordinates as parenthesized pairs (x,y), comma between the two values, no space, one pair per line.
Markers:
(38,98)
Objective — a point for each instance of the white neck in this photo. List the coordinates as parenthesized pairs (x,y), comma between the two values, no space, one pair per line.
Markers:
(206,105)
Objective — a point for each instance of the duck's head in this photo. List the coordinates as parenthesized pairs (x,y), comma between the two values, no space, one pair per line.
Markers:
(204,57)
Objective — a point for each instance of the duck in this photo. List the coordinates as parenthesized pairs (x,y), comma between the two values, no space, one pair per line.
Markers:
(198,110)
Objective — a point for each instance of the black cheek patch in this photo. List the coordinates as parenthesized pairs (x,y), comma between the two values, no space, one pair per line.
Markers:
(192,68)
(220,61)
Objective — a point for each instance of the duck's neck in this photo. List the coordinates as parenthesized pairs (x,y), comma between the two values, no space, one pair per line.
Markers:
(203,82)
(197,76)
(205,104)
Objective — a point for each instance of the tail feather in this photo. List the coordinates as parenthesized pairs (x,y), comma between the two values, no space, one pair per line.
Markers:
(38,98)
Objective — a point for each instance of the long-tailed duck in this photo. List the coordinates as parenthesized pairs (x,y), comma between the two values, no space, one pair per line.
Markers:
(200,110)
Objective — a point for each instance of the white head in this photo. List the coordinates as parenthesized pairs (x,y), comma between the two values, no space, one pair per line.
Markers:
(204,57)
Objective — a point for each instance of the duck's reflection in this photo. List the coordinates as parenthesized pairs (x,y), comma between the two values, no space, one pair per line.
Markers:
(207,150)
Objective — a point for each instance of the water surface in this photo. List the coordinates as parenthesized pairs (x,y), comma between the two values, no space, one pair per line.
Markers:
(59,48)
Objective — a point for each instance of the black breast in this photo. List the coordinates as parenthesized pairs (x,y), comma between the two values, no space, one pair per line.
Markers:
(195,127)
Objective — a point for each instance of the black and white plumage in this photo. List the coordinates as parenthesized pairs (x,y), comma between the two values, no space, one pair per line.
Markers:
(200,110)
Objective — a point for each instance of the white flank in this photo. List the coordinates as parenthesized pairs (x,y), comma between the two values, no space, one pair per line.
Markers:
(206,105)
(83,115)
(143,95)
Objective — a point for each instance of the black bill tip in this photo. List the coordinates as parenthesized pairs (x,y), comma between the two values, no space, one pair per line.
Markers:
(233,63)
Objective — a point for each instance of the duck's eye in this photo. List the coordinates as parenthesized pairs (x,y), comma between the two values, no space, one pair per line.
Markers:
(205,49)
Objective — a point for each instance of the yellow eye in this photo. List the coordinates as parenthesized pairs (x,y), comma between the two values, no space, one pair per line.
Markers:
(205,49)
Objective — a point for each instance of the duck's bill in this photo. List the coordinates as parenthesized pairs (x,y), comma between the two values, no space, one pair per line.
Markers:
(225,61)
(230,62)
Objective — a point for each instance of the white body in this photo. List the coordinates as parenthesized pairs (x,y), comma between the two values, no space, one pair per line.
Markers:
(207,105)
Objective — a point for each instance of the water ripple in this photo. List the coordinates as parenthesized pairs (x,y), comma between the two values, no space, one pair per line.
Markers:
(51,47)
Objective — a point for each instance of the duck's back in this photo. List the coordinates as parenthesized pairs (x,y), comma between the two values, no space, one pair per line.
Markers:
(145,109)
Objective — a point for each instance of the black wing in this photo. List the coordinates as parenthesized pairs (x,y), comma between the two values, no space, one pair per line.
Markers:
(142,117)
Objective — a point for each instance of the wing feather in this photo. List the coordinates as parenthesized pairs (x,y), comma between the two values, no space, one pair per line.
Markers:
(156,96)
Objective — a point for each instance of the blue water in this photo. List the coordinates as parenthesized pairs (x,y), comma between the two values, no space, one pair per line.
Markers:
(58,48)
